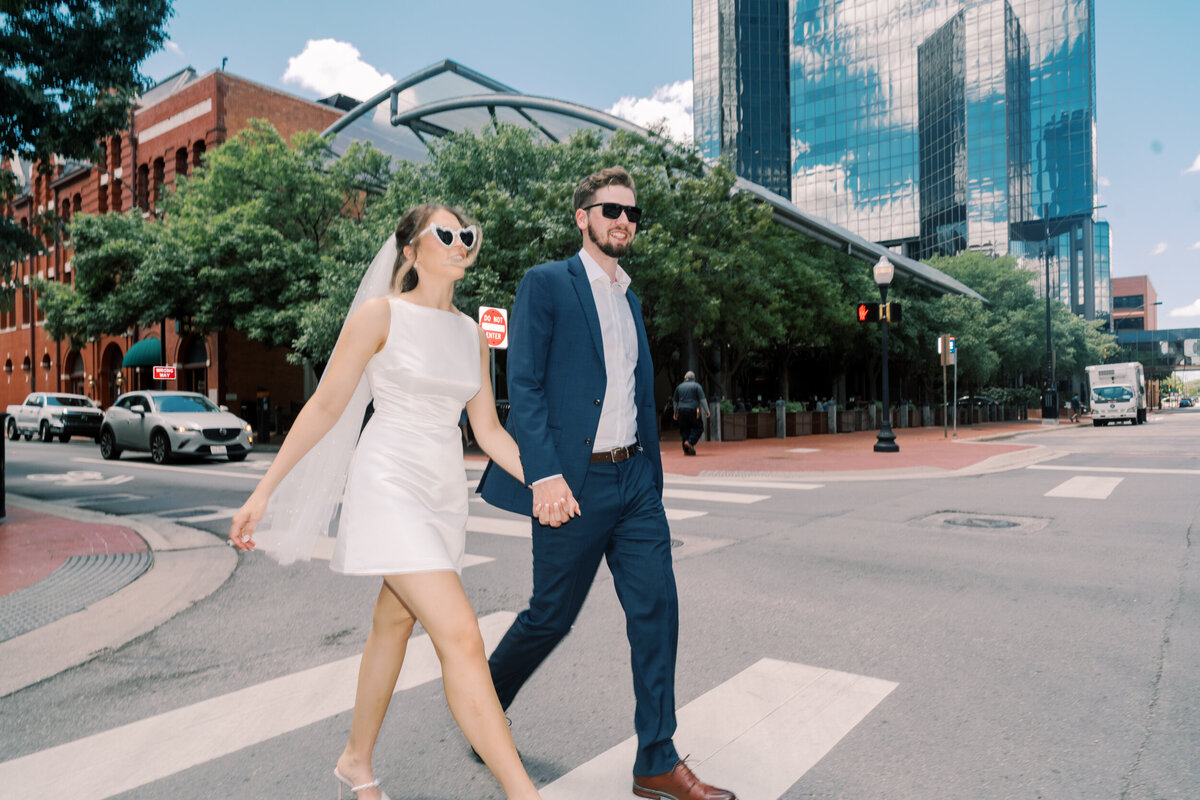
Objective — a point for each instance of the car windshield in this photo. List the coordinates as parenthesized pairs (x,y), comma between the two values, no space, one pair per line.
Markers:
(74,402)
(184,403)
(1113,394)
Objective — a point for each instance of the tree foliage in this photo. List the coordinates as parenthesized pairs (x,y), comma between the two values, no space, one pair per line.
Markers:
(69,73)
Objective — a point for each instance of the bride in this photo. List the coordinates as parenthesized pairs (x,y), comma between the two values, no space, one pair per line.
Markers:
(404,507)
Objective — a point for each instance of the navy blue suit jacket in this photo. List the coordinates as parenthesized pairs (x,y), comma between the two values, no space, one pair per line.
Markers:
(556,383)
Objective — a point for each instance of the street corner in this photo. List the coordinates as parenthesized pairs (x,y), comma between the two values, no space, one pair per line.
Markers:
(74,583)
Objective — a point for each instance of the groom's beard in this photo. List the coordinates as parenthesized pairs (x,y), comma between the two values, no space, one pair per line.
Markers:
(609,247)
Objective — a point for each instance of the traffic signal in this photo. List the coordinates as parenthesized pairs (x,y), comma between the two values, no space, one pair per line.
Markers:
(873,312)
(868,312)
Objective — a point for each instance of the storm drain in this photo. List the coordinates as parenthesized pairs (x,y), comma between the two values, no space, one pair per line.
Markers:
(74,586)
(973,521)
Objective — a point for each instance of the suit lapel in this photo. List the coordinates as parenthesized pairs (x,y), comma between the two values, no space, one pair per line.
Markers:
(587,300)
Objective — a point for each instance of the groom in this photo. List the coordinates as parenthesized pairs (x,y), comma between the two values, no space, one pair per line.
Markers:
(580,386)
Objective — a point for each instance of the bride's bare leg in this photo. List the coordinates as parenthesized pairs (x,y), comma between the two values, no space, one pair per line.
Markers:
(438,601)
(383,655)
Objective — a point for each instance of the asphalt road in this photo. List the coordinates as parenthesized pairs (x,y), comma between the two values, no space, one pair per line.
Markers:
(1040,627)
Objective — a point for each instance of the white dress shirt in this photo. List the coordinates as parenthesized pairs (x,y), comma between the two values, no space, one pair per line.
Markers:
(618,420)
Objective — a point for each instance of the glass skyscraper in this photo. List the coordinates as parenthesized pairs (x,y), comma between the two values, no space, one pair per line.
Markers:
(740,85)
(934,126)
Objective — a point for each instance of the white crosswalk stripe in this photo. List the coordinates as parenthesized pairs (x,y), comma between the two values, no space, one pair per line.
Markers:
(1085,487)
(142,752)
(757,733)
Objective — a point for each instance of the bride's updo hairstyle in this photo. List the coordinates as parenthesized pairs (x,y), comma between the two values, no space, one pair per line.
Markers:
(415,220)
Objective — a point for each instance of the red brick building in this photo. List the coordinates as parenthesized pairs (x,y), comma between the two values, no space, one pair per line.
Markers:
(173,125)
(1135,304)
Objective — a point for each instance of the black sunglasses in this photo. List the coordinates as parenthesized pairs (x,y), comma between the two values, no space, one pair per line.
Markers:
(613,211)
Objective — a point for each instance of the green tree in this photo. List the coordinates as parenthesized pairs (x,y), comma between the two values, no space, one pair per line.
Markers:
(249,238)
(110,251)
(69,73)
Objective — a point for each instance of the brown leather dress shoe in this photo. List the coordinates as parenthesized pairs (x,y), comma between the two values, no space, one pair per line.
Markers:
(678,784)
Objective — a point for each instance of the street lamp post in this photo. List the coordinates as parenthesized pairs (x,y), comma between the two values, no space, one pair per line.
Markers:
(1050,393)
(885,442)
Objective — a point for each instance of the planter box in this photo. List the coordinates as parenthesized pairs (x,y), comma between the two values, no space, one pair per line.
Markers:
(760,425)
(846,421)
(915,420)
(733,426)
(798,423)
(820,422)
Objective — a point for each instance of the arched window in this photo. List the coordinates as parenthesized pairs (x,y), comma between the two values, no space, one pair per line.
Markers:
(76,373)
(143,187)
(118,157)
(102,198)
(46,364)
(114,196)
(181,158)
(159,178)
(195,366)
(198,149)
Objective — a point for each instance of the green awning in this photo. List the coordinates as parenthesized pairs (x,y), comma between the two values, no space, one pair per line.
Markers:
(145,353)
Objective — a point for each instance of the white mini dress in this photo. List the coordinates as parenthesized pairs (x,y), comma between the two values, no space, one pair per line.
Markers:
(405,505)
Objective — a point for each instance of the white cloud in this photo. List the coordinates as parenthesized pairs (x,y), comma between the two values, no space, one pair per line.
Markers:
(1159,249)
(327,66)
(671,105)
(1187,311)
(1195,167)
(174,48)
(1196,246)
(1105,181)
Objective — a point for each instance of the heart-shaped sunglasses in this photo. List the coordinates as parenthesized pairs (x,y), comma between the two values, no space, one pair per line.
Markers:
(468,236)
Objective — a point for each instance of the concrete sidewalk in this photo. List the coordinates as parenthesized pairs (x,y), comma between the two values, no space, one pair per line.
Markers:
(74,583)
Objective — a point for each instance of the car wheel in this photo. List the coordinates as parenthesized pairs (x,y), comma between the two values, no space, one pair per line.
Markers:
(160,448)
(108,445)
(11,427)
(44,432)
(235,457)
(64,437)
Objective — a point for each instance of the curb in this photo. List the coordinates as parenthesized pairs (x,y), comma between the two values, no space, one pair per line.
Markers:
(188,566)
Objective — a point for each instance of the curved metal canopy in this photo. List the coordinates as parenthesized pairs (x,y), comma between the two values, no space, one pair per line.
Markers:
(447,97)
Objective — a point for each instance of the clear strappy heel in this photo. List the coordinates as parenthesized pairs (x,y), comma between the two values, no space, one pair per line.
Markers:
(344,782)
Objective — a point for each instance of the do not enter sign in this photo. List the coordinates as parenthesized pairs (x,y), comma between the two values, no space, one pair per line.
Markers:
(494,322)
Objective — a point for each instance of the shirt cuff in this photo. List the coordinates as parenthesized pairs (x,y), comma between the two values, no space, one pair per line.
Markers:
(543,480)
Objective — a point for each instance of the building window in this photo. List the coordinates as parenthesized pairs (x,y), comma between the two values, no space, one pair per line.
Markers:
(142,189)
(181,161)
(198,149)
(157,187)
(1129,324)
(1129,301)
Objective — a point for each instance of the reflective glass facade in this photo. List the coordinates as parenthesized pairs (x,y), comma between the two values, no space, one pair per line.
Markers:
(939,125)
(740,85)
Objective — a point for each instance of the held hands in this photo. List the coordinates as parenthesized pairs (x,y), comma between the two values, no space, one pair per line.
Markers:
(241,530)
(553,503)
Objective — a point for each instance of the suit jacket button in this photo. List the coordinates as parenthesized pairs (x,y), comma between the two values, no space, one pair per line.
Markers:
(597,402)
(587,441)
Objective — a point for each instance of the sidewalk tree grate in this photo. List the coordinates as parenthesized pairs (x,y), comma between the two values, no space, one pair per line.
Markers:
(79,582)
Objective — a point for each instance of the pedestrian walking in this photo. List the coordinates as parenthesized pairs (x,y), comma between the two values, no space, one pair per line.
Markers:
(404,508)
(583,413)
(690,404)
(1076,407)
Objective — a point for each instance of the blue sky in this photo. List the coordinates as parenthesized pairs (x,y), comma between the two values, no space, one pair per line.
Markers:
(635,58)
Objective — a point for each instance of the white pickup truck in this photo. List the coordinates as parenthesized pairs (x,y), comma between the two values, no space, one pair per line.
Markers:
(50,414)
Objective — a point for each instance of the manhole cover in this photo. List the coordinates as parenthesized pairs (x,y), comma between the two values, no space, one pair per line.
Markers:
(981,522)
(1010,523)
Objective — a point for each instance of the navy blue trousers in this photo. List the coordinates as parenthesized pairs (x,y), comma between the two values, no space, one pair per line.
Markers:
(624,522)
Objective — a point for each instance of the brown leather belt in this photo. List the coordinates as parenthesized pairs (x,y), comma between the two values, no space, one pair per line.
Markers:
(616,455)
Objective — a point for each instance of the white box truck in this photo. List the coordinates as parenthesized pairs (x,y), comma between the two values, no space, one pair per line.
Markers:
(1117,392)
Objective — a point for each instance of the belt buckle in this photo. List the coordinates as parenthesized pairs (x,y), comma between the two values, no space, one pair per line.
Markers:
(617,454)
